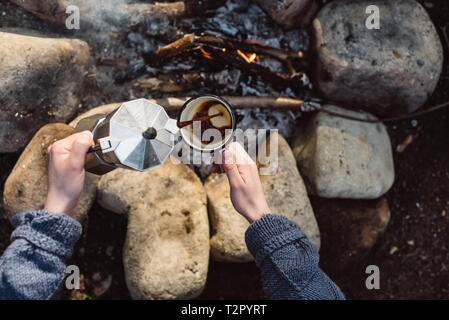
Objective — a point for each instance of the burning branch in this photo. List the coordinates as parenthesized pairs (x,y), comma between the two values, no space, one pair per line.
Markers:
(243,62)
(240,54)
(249,59)
(190,41)
(177,47)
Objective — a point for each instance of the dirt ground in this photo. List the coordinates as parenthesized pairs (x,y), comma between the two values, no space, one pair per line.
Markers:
(413,254)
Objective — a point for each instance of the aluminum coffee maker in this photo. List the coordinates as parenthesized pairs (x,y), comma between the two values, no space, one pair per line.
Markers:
(138,135)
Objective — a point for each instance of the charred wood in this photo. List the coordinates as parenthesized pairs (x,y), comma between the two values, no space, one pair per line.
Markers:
(190,41)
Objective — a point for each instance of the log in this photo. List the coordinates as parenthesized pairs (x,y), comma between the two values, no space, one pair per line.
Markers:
(174,104)
(190,41)
(94,13)
(226,49)
(144,11)
(277,80)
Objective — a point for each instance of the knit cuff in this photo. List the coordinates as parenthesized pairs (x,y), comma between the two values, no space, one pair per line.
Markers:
(270,233)
(55,233)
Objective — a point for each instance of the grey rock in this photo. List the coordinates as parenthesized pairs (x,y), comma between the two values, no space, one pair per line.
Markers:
(42,81)
(349,229)
(26,186)
(341,158)
(166,252)
(386,71)
(285,193)
(227,241)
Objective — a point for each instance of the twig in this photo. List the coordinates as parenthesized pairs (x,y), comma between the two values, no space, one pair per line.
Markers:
(173,104)
(243,102)
(446,38)
(392,119)
(177,47)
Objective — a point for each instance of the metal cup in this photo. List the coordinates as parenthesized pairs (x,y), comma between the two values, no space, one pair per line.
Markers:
(190,134)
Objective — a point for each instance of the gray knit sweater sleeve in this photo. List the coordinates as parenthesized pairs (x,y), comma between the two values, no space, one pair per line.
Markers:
(33,266)
(288,261)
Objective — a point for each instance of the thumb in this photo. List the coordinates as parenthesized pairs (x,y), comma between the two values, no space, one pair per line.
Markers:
(80,147)
(230,167)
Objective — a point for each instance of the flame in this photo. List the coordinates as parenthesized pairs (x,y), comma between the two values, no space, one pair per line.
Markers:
(248,59)
(206,54)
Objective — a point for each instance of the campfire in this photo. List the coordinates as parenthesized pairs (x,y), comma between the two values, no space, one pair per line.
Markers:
(250,57)
(326,95)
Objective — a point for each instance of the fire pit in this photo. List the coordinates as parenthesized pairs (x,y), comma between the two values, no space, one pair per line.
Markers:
(276,69)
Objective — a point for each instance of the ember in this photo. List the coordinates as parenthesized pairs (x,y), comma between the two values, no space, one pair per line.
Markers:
(249,58)
(206,54)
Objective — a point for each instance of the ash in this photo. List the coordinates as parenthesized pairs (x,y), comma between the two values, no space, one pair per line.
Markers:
(121,54)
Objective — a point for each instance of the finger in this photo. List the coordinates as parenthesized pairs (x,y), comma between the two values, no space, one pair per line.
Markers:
(73,137)
(79,148)
(241,156)
(230,167)
(245,165)
(64,146)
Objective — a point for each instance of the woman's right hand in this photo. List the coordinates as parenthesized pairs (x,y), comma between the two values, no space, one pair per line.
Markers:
(246,190)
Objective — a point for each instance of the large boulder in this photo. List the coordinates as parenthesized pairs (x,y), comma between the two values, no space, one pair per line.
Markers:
(166,253)
(341,158)
(51,10)
(104,109)
(285,193)
(227,242)
(26,186)
(386,71)
(42,81)
(349,229)
(289,13)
